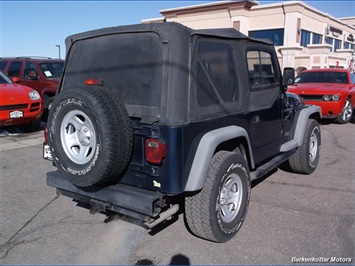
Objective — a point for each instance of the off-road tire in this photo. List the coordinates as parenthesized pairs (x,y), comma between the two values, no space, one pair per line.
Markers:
(306,159)
(90,135)
(217,212)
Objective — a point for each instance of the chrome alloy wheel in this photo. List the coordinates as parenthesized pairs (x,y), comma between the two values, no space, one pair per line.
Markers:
(230,198)
(78,136)
(347,111)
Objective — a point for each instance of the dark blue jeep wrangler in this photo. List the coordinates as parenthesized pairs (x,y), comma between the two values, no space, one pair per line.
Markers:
(147,115)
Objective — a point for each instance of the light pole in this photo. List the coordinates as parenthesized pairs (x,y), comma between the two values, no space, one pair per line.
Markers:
(58,49)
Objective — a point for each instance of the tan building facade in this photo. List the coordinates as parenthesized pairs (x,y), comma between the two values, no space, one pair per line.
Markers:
(304,37)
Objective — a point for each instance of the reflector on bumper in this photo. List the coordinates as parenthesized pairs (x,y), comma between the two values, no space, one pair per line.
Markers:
(47,152)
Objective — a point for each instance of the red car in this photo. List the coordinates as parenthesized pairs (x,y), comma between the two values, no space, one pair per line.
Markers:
(36,72)
(19,105)
(333,89)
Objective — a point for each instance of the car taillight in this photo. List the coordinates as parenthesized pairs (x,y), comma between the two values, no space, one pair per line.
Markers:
(99,82)
(155,151)
(45,132)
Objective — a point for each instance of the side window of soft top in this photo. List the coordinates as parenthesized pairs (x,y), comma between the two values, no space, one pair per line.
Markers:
(261,70)
(216,75)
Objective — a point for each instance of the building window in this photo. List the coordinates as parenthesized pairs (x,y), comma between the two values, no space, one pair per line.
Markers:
(348,45)
(330,41)
(275,35)
(317,38)
(305,38)
(335,43)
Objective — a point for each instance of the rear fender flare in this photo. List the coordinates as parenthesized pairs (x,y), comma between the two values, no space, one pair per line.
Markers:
(205,151)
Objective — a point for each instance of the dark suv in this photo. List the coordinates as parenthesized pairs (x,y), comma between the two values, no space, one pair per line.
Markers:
(39,73)
(150,119)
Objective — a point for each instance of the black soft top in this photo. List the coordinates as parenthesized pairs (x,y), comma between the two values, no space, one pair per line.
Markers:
(164,29)
(149,64)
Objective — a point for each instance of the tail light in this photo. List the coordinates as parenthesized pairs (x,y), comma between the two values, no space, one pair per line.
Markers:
(99,82)
(45,132)
(155,151)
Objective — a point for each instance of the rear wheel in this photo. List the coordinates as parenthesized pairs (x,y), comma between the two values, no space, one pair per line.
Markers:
(217,212)
(90,135)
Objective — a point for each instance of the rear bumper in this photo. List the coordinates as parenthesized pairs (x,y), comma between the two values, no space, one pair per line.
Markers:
(131,201)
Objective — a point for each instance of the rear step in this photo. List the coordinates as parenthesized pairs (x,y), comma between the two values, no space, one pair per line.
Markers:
(131,201)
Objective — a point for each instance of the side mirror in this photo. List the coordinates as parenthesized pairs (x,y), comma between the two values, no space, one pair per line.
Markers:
(15,80)
(288,76)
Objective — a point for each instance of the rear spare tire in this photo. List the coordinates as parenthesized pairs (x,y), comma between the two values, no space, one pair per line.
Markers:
(90,135)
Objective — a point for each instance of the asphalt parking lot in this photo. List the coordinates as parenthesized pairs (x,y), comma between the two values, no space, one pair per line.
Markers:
(291,219)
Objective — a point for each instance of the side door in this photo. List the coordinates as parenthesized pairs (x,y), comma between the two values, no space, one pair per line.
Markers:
(265,101)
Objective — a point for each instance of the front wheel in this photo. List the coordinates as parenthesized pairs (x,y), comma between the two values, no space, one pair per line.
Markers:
(346,114)
(217,212)
(306,159)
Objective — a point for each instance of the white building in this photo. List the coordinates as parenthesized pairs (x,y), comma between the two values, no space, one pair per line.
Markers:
(304,36)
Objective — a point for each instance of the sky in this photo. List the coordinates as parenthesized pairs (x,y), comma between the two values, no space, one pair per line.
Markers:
(35,28)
